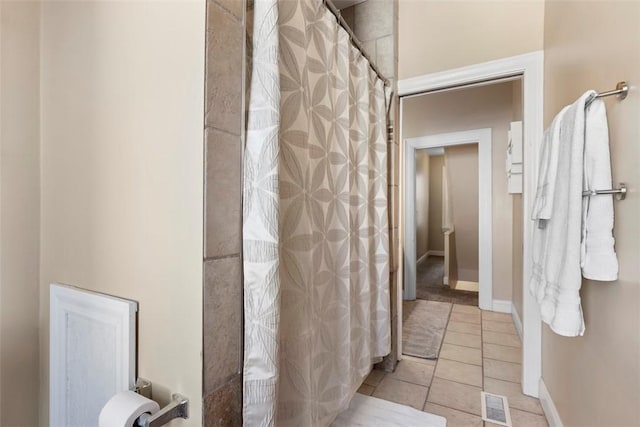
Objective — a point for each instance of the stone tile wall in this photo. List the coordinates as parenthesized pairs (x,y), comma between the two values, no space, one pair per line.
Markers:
(224,123)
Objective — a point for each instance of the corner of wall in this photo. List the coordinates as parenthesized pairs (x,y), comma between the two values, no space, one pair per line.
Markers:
(549,407)
(19,212)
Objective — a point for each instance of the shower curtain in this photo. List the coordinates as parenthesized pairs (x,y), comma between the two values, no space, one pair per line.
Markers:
(315,225)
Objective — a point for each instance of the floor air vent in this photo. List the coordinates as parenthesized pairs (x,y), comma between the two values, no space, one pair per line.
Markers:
(495,409)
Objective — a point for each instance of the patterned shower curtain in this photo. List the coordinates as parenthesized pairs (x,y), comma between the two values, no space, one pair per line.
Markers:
(315,231)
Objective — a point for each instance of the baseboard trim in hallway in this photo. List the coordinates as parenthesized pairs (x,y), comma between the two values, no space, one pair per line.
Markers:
(516,320)
(501,306)
(422,259)
(549,408)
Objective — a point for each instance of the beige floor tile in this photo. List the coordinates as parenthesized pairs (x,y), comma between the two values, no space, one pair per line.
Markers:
(502,352)
(504,327)
(462,354)
(429,362)
(467,309)
(467,328)
(506,371)
(374,377)
(524,419)
(513,391)
(366,389)
(501,339)
(413,372)
(497,317)
(466,340)
(465,317)
(454,417)
(401,392)
(454,395)
(459,372)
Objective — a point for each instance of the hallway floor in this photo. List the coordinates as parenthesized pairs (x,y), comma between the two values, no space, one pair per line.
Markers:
(430,286)
(481,351)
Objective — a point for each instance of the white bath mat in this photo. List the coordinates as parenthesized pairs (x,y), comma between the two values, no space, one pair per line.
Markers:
(367,411)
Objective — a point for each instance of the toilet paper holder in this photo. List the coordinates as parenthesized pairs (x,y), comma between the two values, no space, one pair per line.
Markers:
(177,408)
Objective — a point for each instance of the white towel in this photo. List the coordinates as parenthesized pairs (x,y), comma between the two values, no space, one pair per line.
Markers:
(556,277)
(599,261)
(545,190)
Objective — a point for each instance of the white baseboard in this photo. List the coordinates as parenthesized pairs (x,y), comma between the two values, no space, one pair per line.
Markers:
(501,306)
(516,320)
(445,280)
(435,253)
(549,408)
(422,259)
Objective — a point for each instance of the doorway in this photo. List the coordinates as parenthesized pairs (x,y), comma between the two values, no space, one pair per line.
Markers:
(447,224)
(480,140)
(529,68)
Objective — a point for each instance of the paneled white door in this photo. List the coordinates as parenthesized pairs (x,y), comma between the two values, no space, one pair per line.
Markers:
(92,353)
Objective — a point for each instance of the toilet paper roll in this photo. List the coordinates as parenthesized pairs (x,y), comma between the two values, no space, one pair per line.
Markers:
(124,408)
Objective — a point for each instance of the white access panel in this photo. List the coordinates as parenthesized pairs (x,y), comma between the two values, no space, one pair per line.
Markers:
(514,158)
(92,353)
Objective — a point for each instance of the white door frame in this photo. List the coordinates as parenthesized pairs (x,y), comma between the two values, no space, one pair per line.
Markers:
(530,67)
(485,238)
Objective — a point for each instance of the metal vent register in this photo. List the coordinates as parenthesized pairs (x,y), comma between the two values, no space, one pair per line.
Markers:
(495,408)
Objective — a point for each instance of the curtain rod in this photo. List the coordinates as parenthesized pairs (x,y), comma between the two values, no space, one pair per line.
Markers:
(354,40)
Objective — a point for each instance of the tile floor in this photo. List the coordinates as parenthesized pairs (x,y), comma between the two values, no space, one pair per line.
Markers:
(481,351)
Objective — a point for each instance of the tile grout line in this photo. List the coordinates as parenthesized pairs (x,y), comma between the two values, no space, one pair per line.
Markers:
(409,382)
(501,379)
(482,366)
(458,382)
(433,376)
(500,360)
(459,361)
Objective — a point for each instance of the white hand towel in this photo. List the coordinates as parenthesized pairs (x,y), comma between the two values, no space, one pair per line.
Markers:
(543,203)
(557,278)
(599,261)
(545,190)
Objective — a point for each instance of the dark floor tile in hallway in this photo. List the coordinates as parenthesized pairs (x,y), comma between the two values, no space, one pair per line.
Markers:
(430,286)
(430,272)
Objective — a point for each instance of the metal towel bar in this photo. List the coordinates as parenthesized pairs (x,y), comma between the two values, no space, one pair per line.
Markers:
(620,192)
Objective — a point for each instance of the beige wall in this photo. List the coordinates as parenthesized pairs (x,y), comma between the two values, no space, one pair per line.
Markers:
(462,170)
(19,211)
(422,203)
(594,380)
(436,236)
(466,109)
(122,86)
(438,35)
